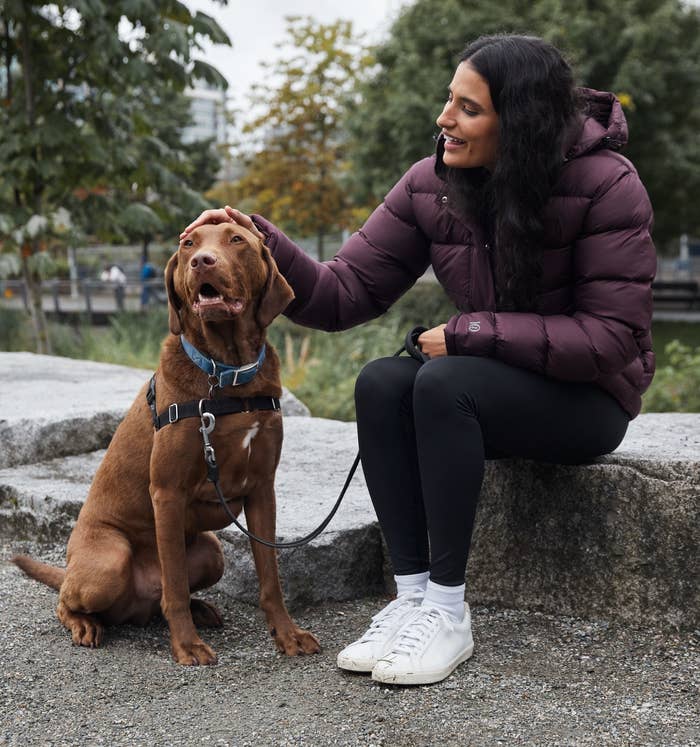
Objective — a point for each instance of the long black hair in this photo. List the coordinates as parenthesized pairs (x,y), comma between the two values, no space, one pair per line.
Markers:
(533,93)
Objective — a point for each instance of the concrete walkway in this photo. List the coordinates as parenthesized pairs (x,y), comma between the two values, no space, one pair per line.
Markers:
(533,680)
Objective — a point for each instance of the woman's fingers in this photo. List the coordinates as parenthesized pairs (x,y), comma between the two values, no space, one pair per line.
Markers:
(243,220)
(223,215)
(217,215)
(432,342)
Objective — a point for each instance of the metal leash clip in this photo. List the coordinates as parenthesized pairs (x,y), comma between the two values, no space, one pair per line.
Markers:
(208,424)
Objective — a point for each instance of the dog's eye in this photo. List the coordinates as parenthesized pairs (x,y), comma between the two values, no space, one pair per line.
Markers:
(235,239)
(187,242)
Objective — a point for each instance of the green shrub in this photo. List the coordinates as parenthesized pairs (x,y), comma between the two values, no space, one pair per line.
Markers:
(129,340)
(321,368)
(15,330)
(676,386)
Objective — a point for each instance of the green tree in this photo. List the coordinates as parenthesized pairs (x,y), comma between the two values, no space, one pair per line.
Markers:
(646,51)
(296,163)
(92,94)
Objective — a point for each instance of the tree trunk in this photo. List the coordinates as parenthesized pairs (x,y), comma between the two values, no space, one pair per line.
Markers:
(41,331)
(321,236)
(8,60)
(320,245)
(144,250)
(36,309)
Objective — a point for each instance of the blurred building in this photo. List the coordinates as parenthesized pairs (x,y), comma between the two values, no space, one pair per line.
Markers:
(208,107)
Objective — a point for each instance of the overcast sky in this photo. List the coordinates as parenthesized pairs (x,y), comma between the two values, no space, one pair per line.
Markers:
(255,26)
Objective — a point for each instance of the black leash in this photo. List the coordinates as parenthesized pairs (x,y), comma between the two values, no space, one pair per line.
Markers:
(213,476)
(207,410)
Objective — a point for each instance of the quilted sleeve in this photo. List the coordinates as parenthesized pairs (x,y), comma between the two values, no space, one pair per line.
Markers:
(614,264)
(373,268)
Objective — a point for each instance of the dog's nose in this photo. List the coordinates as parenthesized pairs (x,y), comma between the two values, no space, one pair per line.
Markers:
(202,260)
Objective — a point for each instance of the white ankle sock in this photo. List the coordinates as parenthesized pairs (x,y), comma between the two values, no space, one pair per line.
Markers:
(411,582)
(447,598)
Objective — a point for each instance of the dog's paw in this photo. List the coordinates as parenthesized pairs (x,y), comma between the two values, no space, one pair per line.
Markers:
(193,654)
(86,631)
(205,615)
(295,641)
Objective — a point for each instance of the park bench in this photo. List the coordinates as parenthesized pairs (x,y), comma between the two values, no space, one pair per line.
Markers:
(676,292)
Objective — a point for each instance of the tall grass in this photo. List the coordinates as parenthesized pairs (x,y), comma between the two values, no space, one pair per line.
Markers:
(129,339)
(321,368)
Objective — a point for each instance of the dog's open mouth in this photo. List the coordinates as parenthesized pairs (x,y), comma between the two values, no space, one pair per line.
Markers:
(210,298)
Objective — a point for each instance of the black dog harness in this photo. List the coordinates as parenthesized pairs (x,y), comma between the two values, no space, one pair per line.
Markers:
(195,407)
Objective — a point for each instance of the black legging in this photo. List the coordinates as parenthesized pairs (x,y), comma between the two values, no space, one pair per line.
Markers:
(424,432)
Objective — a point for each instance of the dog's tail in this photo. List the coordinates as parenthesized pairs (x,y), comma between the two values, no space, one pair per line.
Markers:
(47,574)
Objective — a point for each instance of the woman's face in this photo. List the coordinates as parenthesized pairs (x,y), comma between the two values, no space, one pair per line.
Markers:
(469,122)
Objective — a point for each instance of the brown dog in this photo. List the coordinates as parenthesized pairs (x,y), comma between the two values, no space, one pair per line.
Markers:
(142,543)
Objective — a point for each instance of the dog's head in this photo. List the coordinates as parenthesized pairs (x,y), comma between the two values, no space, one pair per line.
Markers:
(220,273)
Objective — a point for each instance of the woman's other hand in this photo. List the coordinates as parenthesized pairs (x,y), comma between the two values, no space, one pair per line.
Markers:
(223,215)
(432,341)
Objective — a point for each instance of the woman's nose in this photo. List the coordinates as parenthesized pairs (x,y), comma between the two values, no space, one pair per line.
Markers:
(444,119)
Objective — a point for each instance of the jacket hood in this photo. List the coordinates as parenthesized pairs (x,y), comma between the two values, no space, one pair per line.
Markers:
(600,124)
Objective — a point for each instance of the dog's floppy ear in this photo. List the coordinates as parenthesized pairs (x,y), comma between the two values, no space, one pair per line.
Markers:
(276,295)
(174,302)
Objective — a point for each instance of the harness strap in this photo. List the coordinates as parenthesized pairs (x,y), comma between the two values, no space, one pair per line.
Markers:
(221,406)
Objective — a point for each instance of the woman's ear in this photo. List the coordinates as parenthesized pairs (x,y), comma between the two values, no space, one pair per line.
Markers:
(276,295)
(174,302)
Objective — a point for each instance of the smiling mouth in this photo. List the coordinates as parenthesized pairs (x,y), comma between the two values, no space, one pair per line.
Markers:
(453,140)
(208,297)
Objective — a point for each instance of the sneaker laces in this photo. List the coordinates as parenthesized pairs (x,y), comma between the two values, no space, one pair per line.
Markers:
(416,632)
(389,615)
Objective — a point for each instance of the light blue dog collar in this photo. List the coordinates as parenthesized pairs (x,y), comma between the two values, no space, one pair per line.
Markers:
(224,374)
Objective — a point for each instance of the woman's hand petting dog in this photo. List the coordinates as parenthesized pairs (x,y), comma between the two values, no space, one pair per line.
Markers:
(223,215)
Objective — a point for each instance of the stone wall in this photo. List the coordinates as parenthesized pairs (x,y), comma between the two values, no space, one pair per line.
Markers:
(614,539)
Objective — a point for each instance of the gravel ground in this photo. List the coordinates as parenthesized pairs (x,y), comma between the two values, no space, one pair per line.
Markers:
(534,680)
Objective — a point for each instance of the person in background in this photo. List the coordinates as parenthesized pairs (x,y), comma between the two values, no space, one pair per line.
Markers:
(538,229)
(115,276)
(148,274)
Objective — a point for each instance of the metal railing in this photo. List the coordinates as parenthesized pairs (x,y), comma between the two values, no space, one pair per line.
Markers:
(86,296)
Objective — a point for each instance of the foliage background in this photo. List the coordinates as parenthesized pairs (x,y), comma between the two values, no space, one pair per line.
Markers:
(92,118)
(646,51)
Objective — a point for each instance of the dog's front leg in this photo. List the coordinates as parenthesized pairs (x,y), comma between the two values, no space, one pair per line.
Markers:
(169,513)
(260,517)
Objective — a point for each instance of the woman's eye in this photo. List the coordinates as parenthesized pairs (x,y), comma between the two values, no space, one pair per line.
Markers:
(236,239)
(469,112)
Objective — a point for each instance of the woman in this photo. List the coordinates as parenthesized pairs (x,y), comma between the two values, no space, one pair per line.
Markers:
(539,232)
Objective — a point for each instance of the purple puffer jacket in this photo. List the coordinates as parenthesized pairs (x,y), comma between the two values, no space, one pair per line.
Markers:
(593,313)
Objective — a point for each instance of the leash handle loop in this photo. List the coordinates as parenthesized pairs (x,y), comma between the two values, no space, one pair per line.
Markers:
(411,344)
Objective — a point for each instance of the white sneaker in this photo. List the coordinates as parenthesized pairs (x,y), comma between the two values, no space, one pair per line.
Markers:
(362,655)
(429,647)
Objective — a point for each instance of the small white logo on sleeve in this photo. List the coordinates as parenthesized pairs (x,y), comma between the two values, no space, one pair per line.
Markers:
(474,326)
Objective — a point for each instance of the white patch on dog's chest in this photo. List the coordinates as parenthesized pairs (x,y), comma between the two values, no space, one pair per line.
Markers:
(250,435)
